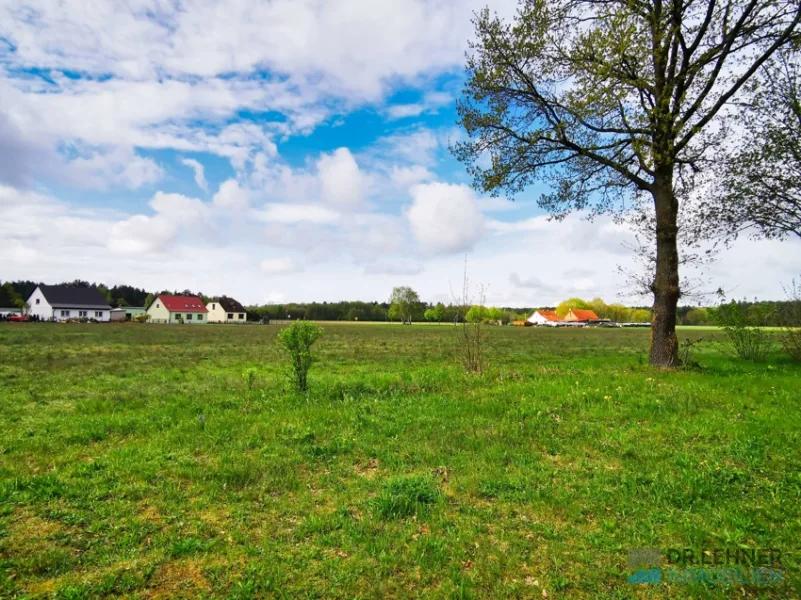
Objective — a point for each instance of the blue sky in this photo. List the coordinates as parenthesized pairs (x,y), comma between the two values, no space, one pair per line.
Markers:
(290,150)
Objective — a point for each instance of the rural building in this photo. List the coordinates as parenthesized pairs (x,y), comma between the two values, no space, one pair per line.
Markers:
(177,309)
(577,315)
(226,310)
(541,317)
(61,302)
(126,313)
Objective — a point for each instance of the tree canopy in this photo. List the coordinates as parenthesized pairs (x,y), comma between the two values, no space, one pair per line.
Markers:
(758,188)
(402,302)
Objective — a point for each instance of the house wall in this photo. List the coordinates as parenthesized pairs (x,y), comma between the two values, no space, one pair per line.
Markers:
(157,312)
(39,305)
(216,312)
(193,321)
(537,318)
(218,315)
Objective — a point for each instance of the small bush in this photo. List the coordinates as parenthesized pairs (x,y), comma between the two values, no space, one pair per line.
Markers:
(296,342)
(406,496)
(791,322)
(749,343)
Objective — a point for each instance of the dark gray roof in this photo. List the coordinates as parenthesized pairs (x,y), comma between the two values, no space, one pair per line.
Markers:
(230,305)
(62,295)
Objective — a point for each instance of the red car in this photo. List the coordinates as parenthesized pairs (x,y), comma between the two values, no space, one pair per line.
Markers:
(18,318)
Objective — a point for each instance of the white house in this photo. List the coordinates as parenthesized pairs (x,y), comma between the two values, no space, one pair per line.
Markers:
(543,317)
(226,310)
(177,309)
(61,302)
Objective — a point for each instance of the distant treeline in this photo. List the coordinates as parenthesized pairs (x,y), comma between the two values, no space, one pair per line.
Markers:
(759,313)
(364,311)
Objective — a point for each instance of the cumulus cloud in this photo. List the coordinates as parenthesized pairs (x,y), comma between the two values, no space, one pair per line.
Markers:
(342,182)
(200,173)
(231,197)
(445,218)
(141,234)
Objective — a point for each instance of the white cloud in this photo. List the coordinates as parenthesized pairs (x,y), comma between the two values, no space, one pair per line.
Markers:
(296,213)
(120,166)
(141,234)
(231,197)
(444,217)
(430,103)
(200,173)
(279,266)
(343,184)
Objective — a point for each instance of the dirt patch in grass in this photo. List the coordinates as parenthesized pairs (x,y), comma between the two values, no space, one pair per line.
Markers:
(180,578)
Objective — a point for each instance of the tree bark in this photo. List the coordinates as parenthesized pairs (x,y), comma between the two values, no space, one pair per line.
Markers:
(664,343)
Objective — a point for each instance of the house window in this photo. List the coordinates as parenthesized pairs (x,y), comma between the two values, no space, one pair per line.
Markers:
(65,313)
(37,301)
(230,315)
(99,314)
(213,306)
(241,316)
(177,317)
(83,313)
(189,316)
(200,317)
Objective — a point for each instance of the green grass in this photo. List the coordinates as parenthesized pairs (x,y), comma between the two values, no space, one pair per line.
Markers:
(148,461)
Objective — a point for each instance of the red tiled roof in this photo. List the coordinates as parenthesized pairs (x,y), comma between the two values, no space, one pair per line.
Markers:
(187,304)
(584,315)
(550,315)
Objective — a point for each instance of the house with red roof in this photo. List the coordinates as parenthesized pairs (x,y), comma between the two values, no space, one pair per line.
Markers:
(577,315)
(543,317)
(177,309)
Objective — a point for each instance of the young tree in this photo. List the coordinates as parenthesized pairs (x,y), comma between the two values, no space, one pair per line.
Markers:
(617,104)
(476,314)
(435,313)
(296,343)
(564,307)
(599,307)
(402,302)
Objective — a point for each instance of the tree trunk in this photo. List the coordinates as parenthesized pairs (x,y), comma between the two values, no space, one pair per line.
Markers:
(664,343)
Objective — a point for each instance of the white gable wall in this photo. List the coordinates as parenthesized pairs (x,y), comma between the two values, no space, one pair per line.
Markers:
(537,319)
(158,313)
(39,305)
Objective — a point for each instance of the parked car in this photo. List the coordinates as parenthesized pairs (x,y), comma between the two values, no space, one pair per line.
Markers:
(19,318)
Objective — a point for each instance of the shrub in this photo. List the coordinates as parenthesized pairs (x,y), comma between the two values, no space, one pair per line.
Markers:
(296,342)
(406,496)
(791,322)
(749,343)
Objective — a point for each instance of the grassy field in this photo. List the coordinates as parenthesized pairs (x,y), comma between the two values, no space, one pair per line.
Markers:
(151,461)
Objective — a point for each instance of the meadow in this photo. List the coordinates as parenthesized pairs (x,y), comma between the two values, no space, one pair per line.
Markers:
(147,461)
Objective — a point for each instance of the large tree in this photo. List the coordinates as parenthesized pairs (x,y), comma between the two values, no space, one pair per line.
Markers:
(403,301)
(617,104)
(758,187)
